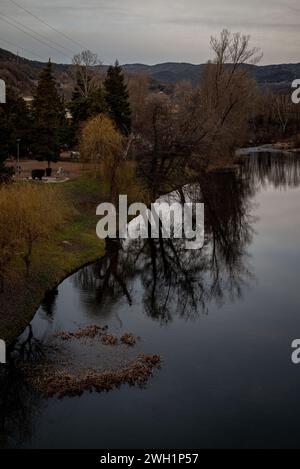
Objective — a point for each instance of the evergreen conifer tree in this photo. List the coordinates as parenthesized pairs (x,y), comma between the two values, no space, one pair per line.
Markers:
(15,124)
(49,117)
(117,98)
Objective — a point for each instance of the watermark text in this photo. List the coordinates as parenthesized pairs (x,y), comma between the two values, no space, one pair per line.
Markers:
(296,93)
(2,352)
(162,220)
(2,92)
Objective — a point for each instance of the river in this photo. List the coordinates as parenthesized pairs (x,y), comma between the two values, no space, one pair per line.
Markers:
(222,319)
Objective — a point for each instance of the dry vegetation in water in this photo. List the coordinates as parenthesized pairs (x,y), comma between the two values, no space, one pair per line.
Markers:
(109,339)
(60,372)
(129,339)
(93,331)
(52,382)
(88,331)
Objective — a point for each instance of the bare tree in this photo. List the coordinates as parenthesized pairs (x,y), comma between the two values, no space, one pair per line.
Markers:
(234,49)
(138,87)
(86,77)
(283,107)
(218,112)
(161,151)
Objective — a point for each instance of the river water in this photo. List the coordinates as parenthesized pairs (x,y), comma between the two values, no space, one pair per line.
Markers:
(222,318)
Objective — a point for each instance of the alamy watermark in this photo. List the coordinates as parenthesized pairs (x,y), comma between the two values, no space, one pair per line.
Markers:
(296,93)
(162,220)
(2,92)
(2,352)
(2,343)
(295,357)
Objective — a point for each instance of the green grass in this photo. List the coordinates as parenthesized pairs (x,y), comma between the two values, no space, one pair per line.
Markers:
(75,244)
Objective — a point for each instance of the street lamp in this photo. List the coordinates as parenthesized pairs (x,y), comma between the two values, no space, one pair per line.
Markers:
(18,156)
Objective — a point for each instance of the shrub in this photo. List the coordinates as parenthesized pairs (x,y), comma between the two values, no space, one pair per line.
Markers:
(38,174)
(6,174)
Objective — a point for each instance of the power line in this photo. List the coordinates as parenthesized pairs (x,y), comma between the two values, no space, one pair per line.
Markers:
(31,35)
(83,47)
(22,48)
(43,37)
(47,24)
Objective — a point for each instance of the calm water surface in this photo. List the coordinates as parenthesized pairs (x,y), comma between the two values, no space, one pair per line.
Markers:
(222,319)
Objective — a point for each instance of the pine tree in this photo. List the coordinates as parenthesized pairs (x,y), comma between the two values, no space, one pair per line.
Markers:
(15,123)
(49,117)
(117,98)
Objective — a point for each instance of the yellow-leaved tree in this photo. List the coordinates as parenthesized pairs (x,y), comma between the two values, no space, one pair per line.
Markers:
(10,231)
(29,213)
(102,144)
(41,213)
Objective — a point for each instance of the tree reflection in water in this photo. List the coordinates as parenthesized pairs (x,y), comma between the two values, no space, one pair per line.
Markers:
(48,303)
(282,171)
(177,281)
(19,403)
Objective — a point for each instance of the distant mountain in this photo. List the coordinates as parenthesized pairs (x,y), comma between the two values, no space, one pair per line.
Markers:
(274,77)
(24,73)
(170,72)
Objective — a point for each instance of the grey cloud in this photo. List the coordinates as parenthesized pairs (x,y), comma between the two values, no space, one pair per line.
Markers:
(158,30)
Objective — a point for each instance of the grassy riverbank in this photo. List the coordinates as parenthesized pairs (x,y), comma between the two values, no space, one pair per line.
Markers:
(74,244)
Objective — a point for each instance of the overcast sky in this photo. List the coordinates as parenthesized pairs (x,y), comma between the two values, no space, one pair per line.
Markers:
(150,31)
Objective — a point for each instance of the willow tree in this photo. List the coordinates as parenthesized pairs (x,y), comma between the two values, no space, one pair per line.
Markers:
(102,144)
(10,232)
(29,214)
(40,216)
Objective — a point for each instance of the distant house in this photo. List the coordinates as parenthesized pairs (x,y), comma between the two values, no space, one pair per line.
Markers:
(68,114)
(28,100)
